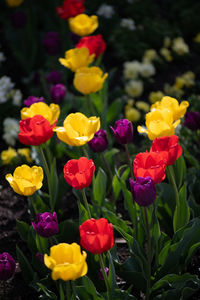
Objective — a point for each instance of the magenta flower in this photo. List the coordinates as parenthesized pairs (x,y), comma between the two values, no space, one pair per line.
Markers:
(7,266)
(32,99)
(58,92)
(123,131)
(99,143)
(46,224)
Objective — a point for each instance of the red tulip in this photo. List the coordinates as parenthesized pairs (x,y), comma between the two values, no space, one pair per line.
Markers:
(35,131)
(79,172)
(149,164)
(168,148)
(96,235)
(70,8)
(95,44)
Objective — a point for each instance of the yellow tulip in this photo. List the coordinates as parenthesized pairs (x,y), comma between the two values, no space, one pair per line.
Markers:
(83,25)
(172,104)
(14,3)
(51,113)
(89,80)
(25,152)
(159,123)
(26,180)
(132,114)
(66,261)
(77,129)
(77,58)
(8,155)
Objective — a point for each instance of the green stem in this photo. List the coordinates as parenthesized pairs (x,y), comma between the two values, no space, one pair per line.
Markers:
(107,166)
(85,152)
(61,292)
(148,254)
(131,171)
(104,275)
(85,202)
(48,177)
(68,290)
(41,250)
(173,182)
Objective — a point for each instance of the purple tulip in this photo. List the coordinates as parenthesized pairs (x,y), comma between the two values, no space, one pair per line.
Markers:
(46,224)
(40,257)
(54,77)
(101,274)
(143,190)
(192,120)
(58,92)
(123,131)
(7,266)
(52,43)
(99,143)
(19,19)
(32,99)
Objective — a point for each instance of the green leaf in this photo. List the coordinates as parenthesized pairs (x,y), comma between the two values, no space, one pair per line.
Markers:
(68,232)
(179,171)
(99,187)
(42,244)
(25,266)
(23,229)
(83,214)
(49,294)
(54,182)
(114,110)
(90,288)
(116,184)
(112,276)
(182,210)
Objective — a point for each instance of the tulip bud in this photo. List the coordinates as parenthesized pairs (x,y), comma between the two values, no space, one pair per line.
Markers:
(52,43)
(7,266)
(143,190)
(123,131)
(192,120)
(46,224)
(32,99)
(101,273)
(99,143)
(58,92)
(54,77)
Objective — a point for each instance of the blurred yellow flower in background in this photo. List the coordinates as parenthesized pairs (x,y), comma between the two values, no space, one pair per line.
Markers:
(132,114)
(51,112)
(66,261)
(150,55)
(142,105)
(166,53)
(89,80)
(197,38)
(14,3)
(155,96)
(25,152)
(171,104)
(26,180)
(83,24)
(179,46)
(77,129)
(77,58)
(8,155)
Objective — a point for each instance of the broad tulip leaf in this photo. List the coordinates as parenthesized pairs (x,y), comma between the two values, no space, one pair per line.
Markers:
(99,187)
(27,271)
(182,210)
(179,171)
(23,229)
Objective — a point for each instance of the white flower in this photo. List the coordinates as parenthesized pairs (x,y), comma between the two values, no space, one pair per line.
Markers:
(105,11)
(179,46)
(128,23)
(17,97)
(6,86)
(131,69)
(2,57)
(147,70)
(134,88)
(11,130)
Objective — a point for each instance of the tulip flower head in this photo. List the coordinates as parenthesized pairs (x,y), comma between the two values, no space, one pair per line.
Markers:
(168,148)
(159,123)
(79,172)
(77,58)
(99,143)
(26,180)
(66,261)
(96,235)
(83,25)
(32,99)
(46,224)
(58,92)
(149,164)
(123,131)
(143,190)
(95,44)
(8,155)
(89,80)
(77,129)
(192,120)
(177,110)
(70,8)
(7,266)
(51,113)
(14,3)
(35,131)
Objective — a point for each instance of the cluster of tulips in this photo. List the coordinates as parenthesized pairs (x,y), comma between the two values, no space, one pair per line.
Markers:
(37,125)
